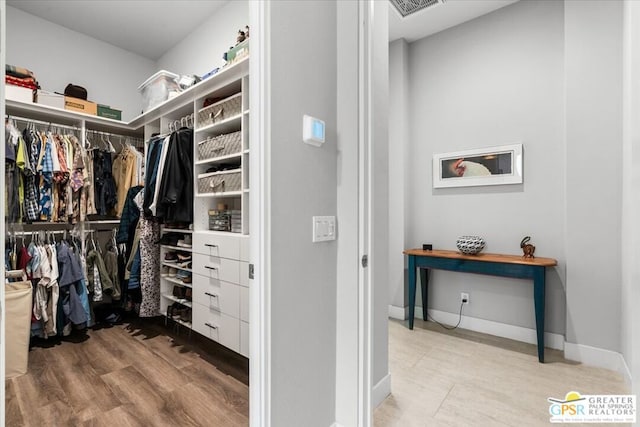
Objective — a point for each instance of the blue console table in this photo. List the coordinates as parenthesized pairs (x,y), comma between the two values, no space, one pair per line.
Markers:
(491,264)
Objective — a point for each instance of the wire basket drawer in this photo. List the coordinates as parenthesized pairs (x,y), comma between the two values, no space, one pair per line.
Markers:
(219,146)
(220,182)
(220,111)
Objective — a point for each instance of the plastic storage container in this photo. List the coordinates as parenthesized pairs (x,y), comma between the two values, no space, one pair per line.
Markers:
(158,88)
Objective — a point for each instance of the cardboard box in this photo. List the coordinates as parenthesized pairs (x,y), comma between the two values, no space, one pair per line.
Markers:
(51,99)
(18,93)
(237,52)
(109,113)
(80,105)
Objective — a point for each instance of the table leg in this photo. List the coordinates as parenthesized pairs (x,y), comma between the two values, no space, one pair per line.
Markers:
(424,281)
(412,289)
(538,296)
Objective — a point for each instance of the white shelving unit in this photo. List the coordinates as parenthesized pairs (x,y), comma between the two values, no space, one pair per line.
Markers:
(220,260)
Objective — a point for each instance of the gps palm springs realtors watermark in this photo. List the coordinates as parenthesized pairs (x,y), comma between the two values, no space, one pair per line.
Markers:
(593,408)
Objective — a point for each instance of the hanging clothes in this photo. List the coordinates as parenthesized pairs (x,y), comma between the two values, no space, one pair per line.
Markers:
(157,150)
(104,185)
(150,266)
(125,174)
(175,199)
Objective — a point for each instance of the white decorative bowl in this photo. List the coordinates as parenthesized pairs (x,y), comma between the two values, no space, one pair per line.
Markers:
(470,245)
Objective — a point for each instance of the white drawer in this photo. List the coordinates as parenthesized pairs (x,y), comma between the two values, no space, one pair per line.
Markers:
(216,245)
(244,273)
(217,326)
(244,248)
(244,339)
(244,303)
(217,294)
(216,267)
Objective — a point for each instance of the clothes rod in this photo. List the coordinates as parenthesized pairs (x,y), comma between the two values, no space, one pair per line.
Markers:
(29,233)
(99,132)
(40,122)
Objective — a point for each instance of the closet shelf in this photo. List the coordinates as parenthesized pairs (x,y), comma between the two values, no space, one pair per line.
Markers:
(178,300)
(172,279)
(226,194)
(103,221)
(170,265)
(176,230)
(217,82)
(218,159)
(177,248)
(182,322)
(67,117)
(225,126)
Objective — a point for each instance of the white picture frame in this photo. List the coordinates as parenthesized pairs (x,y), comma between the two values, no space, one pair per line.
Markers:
(498,165)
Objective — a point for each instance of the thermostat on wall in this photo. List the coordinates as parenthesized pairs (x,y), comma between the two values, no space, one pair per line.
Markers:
(312,131)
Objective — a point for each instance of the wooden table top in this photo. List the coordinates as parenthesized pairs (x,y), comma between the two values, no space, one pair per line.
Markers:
(509,259)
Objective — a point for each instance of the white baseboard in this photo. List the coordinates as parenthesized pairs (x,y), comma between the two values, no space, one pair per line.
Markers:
(400,313)
(381,391)
(518,333)
(336,425)
(598,357)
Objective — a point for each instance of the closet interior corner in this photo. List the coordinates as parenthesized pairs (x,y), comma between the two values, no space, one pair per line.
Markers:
(128,240)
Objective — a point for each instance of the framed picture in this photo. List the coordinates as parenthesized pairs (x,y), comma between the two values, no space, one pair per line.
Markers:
(484,166)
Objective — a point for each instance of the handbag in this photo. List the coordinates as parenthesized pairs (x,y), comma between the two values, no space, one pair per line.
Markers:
(75,91)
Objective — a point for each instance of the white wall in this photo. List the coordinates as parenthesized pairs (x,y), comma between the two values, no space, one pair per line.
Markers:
(347,210)
(593,67)
(630,293)
(494,80)
(380,190)
(398,141)
(59,56)
(201,51)
(303,182)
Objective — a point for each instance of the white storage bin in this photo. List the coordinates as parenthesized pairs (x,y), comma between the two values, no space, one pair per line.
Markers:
(18,93)
(158,88)
(51,99)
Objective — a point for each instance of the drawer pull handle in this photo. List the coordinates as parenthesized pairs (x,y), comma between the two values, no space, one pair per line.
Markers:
(210,325)
(211,295)
(211,245)
(210,268)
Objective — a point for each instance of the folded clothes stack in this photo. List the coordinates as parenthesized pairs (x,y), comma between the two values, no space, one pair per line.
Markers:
(19,76)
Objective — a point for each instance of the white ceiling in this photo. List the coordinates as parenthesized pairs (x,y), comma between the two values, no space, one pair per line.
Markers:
(150,28)
(147,28)
(439,17)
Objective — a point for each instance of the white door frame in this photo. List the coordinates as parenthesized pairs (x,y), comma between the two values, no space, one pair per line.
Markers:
(260,208)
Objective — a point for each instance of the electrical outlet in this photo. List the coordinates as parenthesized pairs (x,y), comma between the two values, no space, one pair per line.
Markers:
(464,297)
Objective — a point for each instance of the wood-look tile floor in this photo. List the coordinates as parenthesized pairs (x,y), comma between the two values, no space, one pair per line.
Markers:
(135,374)
(463,378)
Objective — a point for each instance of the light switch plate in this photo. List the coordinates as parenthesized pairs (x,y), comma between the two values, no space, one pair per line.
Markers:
(324,228)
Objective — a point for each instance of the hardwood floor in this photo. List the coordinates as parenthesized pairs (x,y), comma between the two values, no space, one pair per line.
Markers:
(139,373)
(463,378)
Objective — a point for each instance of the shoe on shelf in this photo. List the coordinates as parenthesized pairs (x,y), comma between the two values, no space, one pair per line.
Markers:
(185,315)
(187,280)
(181,274)
(186,242)
(170,256)
(184,257)
(179,291)
(186,264)
(170,239)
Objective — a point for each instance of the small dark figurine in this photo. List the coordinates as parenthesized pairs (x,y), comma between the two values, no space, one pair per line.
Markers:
(246,31)
(241,36)
(527,248)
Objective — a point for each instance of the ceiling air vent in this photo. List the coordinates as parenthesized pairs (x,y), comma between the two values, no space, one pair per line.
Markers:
(407,7)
